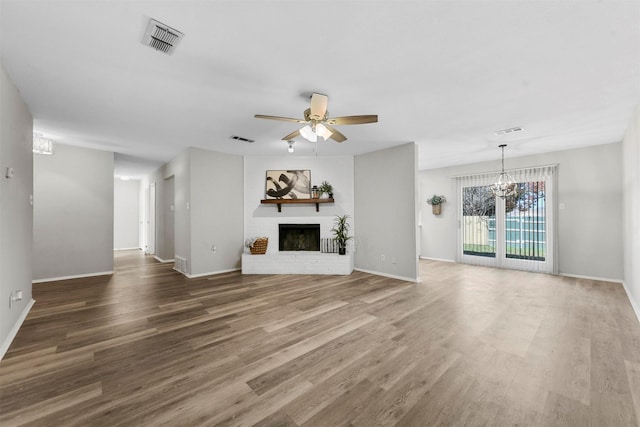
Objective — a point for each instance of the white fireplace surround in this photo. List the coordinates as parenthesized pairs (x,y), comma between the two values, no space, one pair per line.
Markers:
(263,220)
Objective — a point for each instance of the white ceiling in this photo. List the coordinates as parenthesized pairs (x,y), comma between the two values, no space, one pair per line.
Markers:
(444,74)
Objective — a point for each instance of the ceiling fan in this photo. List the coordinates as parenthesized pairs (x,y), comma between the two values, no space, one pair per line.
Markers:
(318,124)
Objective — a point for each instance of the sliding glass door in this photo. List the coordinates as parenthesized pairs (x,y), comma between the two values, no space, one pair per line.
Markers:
(516,232)
(479,225)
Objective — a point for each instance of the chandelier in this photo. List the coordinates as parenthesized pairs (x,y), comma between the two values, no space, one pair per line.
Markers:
(505,185)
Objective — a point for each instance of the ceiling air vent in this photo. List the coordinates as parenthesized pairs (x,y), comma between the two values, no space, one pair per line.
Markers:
(239,138)
(508,131)
(161,37)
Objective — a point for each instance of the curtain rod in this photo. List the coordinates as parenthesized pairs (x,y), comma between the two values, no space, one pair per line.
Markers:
(506,170)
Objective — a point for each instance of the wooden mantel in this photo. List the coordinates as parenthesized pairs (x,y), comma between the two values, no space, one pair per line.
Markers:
(281,202)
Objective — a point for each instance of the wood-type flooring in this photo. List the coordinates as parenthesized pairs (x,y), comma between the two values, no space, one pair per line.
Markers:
(466,346)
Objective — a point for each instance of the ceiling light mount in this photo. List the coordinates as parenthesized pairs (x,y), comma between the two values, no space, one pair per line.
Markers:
(42,145)
(504,185)
(291,149)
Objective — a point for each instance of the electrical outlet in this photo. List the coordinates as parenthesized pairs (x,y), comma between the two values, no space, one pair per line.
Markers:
(382,257)
(213,248)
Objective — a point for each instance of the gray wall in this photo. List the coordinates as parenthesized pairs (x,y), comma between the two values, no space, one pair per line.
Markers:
(72,213)
(126,214)
(16,214)
(589,227)
(208,197)
(631,210)
(386,212)
(217,211)
(178,168)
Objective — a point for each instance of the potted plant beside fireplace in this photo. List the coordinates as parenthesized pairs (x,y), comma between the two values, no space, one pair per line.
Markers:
(341,232)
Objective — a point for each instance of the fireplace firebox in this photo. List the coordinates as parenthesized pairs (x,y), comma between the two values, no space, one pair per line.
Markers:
(299,237)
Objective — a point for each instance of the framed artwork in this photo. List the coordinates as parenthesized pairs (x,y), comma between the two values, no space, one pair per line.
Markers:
(288,184)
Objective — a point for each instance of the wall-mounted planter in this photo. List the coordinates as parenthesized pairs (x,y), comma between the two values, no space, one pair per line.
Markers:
(436,203)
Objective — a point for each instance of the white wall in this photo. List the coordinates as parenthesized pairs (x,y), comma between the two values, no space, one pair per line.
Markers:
(386,212)
(216,211)
(589,227)
(126,214)
(16,214)
(73,213)
(631,210)
(263,220)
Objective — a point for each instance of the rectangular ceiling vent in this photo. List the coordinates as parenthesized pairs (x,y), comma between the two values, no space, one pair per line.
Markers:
(239,138)
(508,131)
(161,37)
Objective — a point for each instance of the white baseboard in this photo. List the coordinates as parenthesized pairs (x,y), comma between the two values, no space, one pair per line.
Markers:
(77,276)
(164,261)
(599,279)
(127,249)
(391,276)
(16,327)
(212,273)
(634,304)
(437,259)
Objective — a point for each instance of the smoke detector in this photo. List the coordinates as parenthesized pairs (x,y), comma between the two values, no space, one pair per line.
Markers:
(161,37)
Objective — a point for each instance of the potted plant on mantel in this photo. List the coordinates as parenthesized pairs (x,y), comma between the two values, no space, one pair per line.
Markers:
(341,233)
(326,188)
(436,204)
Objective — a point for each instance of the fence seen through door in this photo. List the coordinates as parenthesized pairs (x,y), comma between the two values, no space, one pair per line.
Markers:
(523,224)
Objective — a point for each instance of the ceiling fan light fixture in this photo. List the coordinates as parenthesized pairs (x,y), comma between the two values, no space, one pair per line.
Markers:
(308,134)
(323,131)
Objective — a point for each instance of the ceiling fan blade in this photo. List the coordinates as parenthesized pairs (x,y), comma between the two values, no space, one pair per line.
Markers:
(319,106)
(335,134)
(284,119)
(353,120)
(291,135)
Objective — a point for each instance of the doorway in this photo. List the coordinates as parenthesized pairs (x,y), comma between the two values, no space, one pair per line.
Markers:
(169,218)
(151,220)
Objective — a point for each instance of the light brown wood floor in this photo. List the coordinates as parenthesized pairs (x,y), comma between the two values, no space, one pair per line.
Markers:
(467,346)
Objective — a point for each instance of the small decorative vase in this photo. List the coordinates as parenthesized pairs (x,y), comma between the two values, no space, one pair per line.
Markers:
(436,209)
(314,192)
(331,195)
(342,251)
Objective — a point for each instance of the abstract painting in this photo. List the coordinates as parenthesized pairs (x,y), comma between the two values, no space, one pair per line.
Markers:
(288,184)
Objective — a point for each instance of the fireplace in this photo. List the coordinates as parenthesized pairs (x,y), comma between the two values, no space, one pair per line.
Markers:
(299,237)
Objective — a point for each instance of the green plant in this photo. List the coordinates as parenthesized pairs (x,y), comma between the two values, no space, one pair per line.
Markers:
(341,231)
(325,187)
(436,200)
